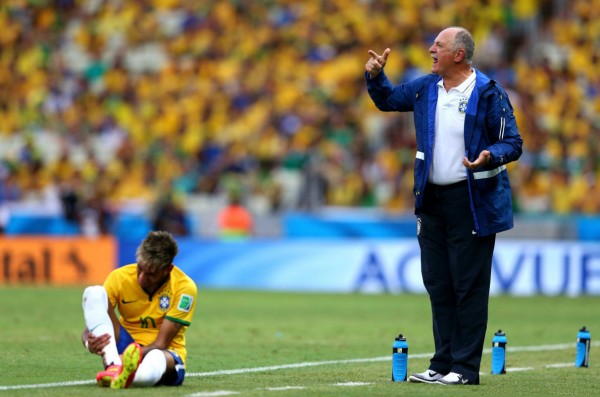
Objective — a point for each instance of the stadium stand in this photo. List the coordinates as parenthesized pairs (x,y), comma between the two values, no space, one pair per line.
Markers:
(108,105)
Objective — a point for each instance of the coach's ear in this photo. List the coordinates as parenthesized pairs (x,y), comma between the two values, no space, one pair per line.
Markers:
(459,55)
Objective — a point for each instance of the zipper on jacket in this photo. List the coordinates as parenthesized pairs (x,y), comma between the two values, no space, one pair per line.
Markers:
(475,221)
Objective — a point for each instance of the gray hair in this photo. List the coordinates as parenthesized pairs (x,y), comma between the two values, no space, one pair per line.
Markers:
(464,39)
(157,251)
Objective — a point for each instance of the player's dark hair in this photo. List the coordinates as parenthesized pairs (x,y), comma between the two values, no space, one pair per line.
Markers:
(157,250)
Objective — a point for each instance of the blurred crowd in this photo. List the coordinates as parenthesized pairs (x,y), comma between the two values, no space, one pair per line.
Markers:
(108,104)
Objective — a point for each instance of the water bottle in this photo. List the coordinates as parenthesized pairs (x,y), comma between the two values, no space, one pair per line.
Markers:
(583,347)
(400,359)
(499,353)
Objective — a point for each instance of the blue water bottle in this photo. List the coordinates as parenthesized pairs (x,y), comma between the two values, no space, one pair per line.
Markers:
(583,347)
(499,353)
(400,359)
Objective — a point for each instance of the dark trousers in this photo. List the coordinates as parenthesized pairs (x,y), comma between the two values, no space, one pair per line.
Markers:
(456,266)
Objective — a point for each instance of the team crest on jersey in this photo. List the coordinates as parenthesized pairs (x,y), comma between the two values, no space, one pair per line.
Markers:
(164,301)
(462,105)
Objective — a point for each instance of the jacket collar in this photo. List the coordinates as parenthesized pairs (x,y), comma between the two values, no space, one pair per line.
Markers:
(481,79)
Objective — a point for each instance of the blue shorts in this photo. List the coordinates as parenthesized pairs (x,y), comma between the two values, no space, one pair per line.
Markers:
(125,340)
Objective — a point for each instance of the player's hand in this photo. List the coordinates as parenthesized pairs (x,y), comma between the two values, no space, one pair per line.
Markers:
(97,343)
(376,63)
(483,159)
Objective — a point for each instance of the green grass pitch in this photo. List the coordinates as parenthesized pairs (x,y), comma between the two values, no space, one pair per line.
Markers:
(244,343)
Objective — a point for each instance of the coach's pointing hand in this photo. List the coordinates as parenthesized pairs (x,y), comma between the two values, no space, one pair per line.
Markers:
(376,63)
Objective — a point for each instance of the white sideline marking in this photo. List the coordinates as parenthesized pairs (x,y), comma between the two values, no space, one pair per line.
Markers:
(353,384)
(560,365)
(517,369)
(562,346)
(213,393)
(285,388)
(540,348)
(43,385)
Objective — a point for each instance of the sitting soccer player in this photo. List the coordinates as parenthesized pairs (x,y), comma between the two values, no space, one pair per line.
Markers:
(156,302)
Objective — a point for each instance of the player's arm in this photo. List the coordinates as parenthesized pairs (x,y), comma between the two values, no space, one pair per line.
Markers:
(178,317)
(168,330)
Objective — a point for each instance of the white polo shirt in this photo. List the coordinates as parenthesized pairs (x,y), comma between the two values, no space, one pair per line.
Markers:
(449,144)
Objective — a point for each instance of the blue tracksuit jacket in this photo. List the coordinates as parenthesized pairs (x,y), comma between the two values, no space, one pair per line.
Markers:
(489,124)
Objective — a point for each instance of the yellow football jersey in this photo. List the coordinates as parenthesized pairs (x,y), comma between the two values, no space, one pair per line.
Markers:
(142,314)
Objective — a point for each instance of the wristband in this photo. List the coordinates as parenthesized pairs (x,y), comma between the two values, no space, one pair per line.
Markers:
(86,346)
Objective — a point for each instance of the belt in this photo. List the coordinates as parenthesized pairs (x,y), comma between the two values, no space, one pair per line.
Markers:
(442,188)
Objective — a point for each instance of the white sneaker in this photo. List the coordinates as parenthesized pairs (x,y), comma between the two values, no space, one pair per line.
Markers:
(454,379)
(428,376)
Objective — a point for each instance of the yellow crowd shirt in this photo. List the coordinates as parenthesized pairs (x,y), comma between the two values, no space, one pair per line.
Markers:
(142,314)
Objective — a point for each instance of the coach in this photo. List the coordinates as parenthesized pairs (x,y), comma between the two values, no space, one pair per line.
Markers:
(466,134)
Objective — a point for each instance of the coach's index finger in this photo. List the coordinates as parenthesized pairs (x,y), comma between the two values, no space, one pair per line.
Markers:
(383,57)
(385,54)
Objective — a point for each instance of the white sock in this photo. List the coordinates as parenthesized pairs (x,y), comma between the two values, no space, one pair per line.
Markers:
(151,369)
(95,311)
